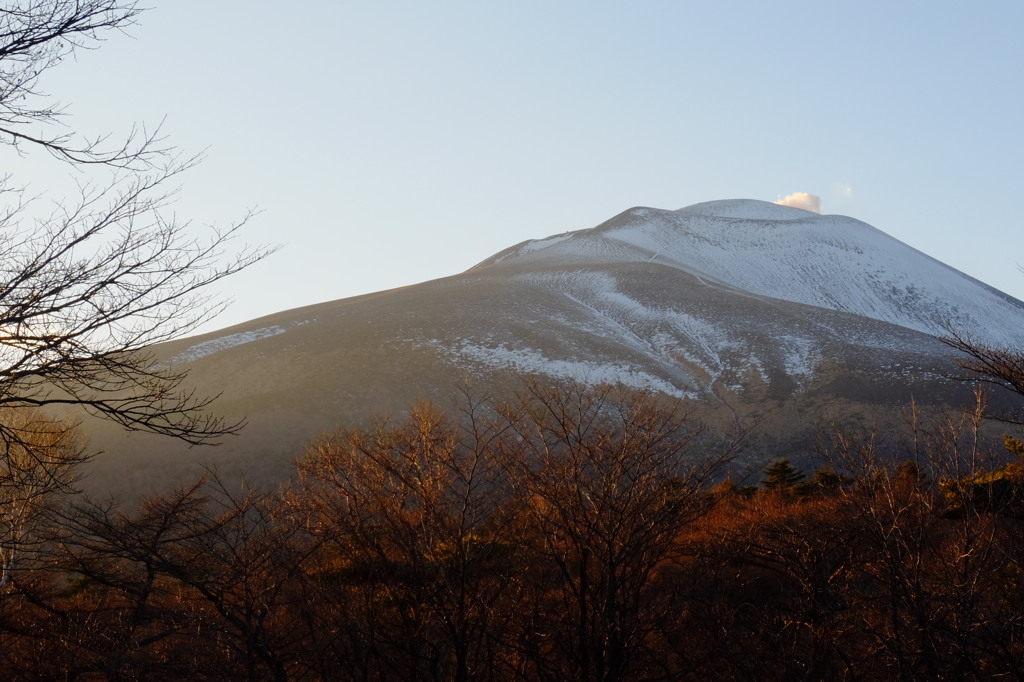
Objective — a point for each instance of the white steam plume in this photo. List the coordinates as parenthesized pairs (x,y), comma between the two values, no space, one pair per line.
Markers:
(808,202)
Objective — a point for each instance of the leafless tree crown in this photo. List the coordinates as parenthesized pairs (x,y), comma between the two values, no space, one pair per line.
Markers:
(88,284)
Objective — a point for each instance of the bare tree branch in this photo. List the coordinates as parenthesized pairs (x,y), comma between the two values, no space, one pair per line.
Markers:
(1002,367)
(36,35)
(87,286)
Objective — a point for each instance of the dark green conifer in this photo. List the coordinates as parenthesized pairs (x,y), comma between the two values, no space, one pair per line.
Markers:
(780,475)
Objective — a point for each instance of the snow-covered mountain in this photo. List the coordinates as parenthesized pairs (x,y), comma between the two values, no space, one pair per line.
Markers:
(828,261)
(773,317)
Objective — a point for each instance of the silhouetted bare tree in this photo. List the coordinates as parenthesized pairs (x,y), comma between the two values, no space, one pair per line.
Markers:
(35,35)
(199,582)
(609,479)
(416,516)
(44,465)
(87,285)
(1003,367)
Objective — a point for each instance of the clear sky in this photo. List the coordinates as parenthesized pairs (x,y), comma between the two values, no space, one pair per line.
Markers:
(388,143)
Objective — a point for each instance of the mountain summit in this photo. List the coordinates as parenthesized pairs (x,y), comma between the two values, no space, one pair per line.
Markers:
(759,314)
(828,261)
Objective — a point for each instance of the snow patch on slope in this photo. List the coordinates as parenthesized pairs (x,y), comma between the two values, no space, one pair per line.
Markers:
(800,356)
(201,350)
(667,335)
(532,361)
(536,244)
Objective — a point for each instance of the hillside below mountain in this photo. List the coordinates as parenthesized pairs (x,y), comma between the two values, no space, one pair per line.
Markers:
(769,317)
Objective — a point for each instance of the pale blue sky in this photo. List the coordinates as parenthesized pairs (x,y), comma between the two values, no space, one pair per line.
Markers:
(388,143)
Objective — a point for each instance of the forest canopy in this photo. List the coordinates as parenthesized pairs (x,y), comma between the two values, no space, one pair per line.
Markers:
(565,533)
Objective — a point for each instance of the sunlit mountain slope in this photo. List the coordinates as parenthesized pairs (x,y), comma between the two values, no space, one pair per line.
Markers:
(770,317)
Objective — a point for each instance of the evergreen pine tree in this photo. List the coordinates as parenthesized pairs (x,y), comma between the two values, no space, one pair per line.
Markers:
(780,475)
